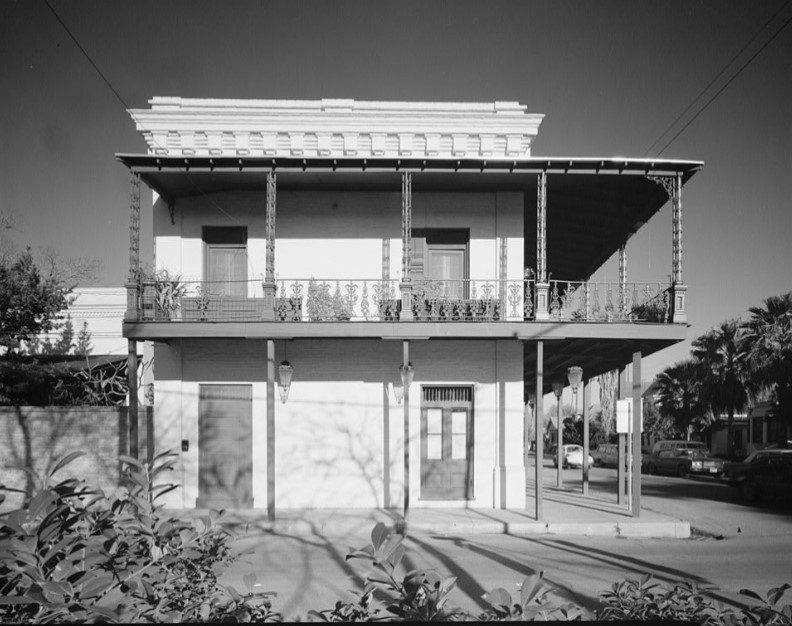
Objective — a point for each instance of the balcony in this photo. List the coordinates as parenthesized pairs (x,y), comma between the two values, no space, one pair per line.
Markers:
(369,300)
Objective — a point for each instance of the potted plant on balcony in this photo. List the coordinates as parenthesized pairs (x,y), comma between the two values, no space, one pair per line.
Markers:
(319,301)
(168,293)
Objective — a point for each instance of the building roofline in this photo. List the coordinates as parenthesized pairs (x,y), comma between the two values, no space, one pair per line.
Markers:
(534,164)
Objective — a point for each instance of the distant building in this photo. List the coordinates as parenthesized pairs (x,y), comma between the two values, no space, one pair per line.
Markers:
(102,309)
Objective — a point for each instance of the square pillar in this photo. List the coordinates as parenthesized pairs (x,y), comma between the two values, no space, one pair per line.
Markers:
(678,294)
(542,301)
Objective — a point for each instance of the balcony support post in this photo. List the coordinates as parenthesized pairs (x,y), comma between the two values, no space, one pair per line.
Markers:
(587,299)
(269,286)
(405,364)
(539,429)
(635,459)
(132,407)
(406,285)
(270,430)
(673,188)
(679,288)
(586,440)
(133,280)
(623,280)
(542,311)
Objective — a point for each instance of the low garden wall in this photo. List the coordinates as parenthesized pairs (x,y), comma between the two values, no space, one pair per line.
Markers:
(37,437)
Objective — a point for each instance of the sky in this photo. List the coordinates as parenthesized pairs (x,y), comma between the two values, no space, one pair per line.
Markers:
(610,76)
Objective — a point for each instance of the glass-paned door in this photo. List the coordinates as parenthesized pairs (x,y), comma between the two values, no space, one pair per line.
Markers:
(226,269)
(446,267)
(446,443)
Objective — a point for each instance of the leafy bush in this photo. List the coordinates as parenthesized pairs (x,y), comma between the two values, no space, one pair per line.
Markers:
(532,604)
(770,611)
(75,555)
(43,381)
(418,596)
(422,595)
(646,600)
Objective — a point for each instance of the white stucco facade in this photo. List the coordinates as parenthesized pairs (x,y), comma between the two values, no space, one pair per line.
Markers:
(339,440)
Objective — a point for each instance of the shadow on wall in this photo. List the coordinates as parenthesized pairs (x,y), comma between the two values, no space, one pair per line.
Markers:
(330,454)
(35,438)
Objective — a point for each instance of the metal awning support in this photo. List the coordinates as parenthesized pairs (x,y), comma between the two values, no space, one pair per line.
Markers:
(269,286)
(406,282)
(132,383)
(538,416)
(623,278)
(133,279)
(635,485)
(270,430)
(542,286)
(406,365)
(586,442)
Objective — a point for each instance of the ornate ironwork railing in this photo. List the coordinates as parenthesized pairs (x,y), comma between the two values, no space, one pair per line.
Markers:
(325,300)
(609,302)
(321,300)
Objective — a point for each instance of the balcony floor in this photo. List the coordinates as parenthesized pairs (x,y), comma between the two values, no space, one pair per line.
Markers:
(529,331)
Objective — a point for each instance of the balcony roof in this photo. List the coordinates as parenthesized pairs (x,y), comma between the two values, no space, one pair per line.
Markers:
(593,204)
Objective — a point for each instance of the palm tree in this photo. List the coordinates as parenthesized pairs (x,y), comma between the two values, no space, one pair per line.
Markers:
(726,377)
(767,346)
(679,394)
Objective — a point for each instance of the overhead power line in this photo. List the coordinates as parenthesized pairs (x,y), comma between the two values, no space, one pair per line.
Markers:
(715,79)
(728,82)
(121,99)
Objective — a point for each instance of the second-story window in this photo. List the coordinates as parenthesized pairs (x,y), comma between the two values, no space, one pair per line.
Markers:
(440,260)
(225,259)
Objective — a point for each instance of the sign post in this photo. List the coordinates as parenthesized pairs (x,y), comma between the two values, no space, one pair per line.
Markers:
(624,424)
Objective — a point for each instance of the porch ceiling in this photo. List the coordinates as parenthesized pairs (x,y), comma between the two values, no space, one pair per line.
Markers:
(595,355)
(593,204)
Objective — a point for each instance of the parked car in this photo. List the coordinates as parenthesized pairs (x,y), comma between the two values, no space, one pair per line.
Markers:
(606,455)
(682,458)
(733,471)
(767,479)
(572,456)
(678,444)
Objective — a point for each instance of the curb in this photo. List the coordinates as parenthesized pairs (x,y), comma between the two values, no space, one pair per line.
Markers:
(654,530)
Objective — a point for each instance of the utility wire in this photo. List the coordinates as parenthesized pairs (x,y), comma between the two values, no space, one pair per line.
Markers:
(87,56)
(714,80)
(121,99)
(729,82)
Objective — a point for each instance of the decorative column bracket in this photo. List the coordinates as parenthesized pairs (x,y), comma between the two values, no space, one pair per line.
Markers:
(542,286)
(673,188)
(269,286)
(133,280)
(406,283)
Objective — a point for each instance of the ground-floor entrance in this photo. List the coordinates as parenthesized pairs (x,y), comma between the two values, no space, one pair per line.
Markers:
(225,415)
(446,442)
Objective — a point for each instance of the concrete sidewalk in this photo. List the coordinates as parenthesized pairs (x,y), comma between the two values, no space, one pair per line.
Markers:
(565,513)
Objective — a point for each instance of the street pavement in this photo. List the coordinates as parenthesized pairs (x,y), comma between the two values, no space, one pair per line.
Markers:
(731,546)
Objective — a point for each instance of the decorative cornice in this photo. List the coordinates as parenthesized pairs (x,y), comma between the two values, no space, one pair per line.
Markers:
(336,128)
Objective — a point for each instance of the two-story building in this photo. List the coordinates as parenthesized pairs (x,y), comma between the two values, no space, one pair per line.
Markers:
(405,274)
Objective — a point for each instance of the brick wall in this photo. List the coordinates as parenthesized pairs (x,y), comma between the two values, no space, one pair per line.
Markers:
(39,436)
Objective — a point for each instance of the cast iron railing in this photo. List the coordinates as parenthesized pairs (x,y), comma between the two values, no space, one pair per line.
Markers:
(372,300)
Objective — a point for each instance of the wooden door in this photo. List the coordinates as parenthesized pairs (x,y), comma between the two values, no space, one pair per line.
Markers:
(446,443)
(225,415)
